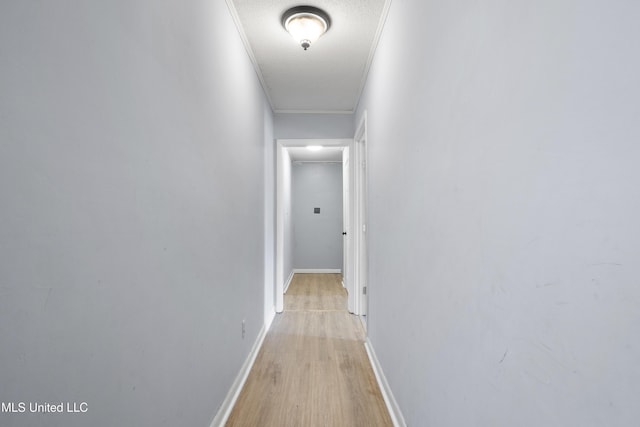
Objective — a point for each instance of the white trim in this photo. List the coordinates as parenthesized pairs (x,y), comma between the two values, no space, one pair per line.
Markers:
(345,112)
(372,51)
(387,395)
(286,286)
(247,46)
(267,325)
(358,160)
(316,270)
(361,131)
(282,156)
(230,400)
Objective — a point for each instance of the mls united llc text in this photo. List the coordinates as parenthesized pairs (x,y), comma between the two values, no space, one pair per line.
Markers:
(44,408)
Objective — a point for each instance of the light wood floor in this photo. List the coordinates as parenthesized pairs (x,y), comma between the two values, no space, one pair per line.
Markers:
(312,369)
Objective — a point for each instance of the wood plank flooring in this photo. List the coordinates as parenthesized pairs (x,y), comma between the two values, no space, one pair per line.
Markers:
(312,369)
(309,292)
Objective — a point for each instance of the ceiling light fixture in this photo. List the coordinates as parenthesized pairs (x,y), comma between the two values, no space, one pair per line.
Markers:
(314,147)
(306,24)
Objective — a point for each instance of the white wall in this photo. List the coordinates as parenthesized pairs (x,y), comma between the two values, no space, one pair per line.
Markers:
(317,240)
(132,181)
(504,205)
(310,126)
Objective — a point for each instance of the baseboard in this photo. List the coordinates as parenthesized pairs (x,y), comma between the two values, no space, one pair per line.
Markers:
(389,400)
(268,320)
(288,282)
(227,405)
(316,270)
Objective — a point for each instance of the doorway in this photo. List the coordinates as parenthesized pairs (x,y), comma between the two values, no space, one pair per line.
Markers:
(288,150)
(354,217)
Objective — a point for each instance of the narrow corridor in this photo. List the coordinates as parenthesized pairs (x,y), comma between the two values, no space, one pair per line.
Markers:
(312,369)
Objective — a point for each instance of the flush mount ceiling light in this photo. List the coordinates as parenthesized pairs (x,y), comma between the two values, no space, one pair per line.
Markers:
(314,147)
(306,24)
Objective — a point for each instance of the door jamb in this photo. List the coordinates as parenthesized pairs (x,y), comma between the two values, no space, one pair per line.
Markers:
(283,144)
(359,215)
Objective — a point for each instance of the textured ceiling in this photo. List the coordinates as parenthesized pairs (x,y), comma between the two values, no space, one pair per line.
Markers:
(329,76)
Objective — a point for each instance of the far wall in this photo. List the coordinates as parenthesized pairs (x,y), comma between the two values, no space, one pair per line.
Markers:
(317,237)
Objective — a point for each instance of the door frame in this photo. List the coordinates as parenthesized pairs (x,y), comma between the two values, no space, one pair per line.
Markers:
(347,189)
(360,219)
(281,209)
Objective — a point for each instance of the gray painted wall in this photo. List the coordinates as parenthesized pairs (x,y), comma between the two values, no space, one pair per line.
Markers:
(317,237)
(132,184)
(504,206)
(309,126)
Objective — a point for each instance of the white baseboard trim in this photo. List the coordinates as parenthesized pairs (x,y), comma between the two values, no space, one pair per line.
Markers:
(316,270)
(227,405)
(389,400)
(268,320)
(288,282)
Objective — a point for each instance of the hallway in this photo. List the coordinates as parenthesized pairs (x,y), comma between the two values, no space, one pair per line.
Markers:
(143,233)
(312,369)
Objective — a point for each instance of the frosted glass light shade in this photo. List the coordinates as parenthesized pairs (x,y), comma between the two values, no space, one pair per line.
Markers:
(305,24)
